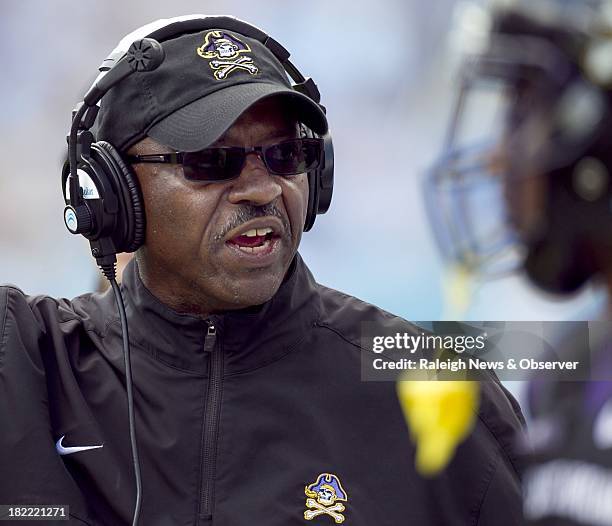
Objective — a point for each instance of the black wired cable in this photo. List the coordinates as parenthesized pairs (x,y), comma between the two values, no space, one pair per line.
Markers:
(110,273)
(143,55)
(108,269)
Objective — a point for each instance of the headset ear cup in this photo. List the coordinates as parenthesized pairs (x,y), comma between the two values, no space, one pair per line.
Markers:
(313,186)
(313,198)
(127,184)
(320,181)
(326,176)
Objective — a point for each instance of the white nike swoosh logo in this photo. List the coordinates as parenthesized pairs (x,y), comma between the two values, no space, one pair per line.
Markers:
(75,449)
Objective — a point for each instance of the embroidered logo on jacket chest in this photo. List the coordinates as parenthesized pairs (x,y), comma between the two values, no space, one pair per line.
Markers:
(324,496)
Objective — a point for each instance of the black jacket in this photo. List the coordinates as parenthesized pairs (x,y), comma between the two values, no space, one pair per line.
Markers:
(236,416)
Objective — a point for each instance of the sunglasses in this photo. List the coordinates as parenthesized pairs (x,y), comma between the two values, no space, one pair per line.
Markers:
(291,157)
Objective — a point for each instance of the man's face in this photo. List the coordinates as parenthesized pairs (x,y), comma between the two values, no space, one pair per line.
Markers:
(196,256)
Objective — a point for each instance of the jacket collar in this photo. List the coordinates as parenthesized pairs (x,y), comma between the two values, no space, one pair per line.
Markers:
(249,338)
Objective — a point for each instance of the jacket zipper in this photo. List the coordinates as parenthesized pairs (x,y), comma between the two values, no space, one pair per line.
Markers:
(211,421)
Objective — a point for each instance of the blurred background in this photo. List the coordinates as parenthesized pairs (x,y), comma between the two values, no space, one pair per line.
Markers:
(385,71)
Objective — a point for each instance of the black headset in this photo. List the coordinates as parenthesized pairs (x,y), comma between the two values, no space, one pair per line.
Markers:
(101,192)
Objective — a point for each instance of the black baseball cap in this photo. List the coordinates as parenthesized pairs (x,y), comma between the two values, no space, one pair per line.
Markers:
(206,81)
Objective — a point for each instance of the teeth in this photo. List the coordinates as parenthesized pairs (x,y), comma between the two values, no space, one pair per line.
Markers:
(258,232)
(254,250)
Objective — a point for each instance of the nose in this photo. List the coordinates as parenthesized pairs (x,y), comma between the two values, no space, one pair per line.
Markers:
(255,185)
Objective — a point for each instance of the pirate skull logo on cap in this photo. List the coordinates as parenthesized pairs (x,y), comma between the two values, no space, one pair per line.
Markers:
(222,49)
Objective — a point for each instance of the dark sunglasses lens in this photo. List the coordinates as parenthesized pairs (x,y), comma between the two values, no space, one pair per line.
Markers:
(214,164)
(293,157)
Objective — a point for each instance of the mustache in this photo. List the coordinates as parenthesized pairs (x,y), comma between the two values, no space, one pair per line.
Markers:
(247,212)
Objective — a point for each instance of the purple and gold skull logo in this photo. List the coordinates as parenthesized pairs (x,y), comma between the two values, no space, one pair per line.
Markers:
(223,51)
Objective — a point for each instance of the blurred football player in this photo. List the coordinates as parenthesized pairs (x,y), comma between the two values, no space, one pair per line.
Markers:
(525,181)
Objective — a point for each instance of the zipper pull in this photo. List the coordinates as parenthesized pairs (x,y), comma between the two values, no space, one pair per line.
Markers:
(211,337)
